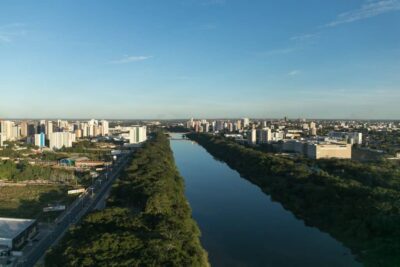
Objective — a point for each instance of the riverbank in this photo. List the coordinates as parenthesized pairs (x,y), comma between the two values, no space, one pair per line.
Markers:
(362,215)
(147,221)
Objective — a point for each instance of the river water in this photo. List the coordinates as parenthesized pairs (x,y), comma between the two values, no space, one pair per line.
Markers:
(241,225)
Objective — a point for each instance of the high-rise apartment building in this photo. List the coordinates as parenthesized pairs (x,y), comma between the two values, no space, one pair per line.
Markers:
(61,139)
(206,127)
(24,129)
(252,136)
(264,136)
(137,134)
(85,129)
(49,127)
(31,129)
(239,125)
(40,140)
(42,126)
(246,122)
(78,133)
(7,130)
(62,125)
(1,139)
(264,124)
(313,131)
(105,127)
(16,132)
(219,125)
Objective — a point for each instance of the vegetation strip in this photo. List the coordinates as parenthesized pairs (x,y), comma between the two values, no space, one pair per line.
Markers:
(147,221)
(358,204)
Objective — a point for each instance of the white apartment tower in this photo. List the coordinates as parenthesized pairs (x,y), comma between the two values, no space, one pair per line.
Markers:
(49,127)
(1,139)
(137,134)
(61,139)
(246,122)
(252,136)
(105,127)
(7,130)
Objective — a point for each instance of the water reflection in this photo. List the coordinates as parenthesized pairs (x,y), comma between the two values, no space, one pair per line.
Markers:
(240,224)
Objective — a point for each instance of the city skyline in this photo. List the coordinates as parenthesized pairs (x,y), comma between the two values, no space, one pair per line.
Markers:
(71,119)
(202,59)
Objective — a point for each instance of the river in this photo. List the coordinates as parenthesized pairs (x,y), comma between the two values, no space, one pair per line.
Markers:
(241,225)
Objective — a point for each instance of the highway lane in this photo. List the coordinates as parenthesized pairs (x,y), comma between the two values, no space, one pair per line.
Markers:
(85,203)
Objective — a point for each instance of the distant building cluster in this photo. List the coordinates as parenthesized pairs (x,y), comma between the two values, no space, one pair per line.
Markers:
(302,137)
(61,133)
(51,134)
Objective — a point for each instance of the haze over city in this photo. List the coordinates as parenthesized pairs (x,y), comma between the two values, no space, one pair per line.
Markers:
(200,58)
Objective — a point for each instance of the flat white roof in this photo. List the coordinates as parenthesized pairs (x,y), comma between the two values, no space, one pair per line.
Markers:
(11,227)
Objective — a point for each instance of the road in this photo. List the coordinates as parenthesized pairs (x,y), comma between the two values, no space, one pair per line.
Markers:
(93,197)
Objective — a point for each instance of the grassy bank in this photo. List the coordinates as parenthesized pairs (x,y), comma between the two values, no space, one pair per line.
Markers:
(147,221)
(28,201)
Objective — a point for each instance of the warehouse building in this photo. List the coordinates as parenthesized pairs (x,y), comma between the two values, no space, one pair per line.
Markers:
(15,232)
(329,150)
(318,149)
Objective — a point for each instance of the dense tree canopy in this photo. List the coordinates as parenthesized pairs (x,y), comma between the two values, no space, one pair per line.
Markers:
(147,221)
(22,171)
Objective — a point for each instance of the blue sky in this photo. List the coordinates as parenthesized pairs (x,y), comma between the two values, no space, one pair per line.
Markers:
(201,58)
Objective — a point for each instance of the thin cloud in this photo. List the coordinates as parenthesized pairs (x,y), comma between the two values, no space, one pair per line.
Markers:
(368,10)
(204,3)
(281,51)
(4,38)
(9,32)
(208,27)
(183,77)
(294,72)
(129,59)
(213,2)
(304,37)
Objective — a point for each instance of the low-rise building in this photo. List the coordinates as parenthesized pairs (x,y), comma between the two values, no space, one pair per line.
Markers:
(315,149)
(15,232)
(328,150)
(295,146)
(89,163)
(278,136)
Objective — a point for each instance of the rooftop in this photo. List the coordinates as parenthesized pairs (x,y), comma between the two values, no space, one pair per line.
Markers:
(11,227)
